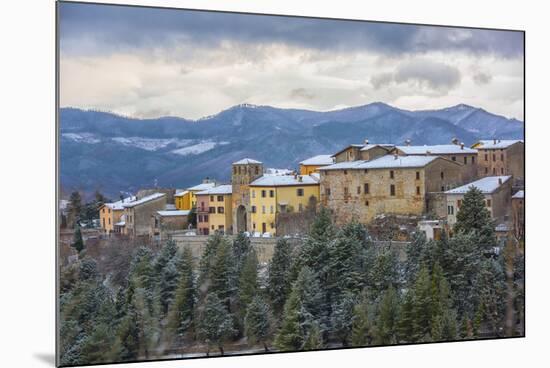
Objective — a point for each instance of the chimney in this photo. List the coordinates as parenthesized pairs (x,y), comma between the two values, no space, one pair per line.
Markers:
(407,142)
(300,178)
(461,145)
(499,181)
(428,152)
(395,156)
(454,140)
(494,141)
(366,141)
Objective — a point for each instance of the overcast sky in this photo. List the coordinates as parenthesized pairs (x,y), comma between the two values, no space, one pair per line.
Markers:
(151,62)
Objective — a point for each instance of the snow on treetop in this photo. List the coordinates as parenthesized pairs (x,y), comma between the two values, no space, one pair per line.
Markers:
(486,185)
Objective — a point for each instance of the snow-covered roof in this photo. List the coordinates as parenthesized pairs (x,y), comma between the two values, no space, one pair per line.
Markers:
(181,193)
(347,147)
(220,189)
(170,207)
(273,171)
(144,200)
(367,147)
(318,160)
(486,185)
(496,143)
(246,161)
(438,149)
(384,162)
(122,221)
(316,176)
(174,213)
(201,187)
(502,228)
(284,180)
(519,194)
(118,205)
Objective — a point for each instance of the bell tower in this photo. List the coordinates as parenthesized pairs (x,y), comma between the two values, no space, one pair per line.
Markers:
(243,173)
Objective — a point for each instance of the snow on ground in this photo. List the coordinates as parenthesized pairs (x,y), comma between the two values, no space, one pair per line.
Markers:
(150,144)
(197,148)
(81,137)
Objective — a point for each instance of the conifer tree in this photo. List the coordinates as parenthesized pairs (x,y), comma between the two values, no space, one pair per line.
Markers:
(223,277)
(167,285)
(75,207)
(406,322)
(78,242)
(473,216)
(216,324)
(167,254)
(257,322)
(248,280)
(241,248)
(314,338)
(422,306)
(208,256)
(279,281)
(362,327)
(386,324)
(342,317)
(383,274)
(345,263)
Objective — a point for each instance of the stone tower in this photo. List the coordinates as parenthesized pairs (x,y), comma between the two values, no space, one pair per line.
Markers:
(244,172)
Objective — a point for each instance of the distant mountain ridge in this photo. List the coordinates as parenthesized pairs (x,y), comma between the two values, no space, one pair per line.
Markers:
(113,153)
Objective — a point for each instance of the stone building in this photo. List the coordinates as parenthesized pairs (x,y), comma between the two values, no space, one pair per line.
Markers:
(366,151)
(243,173)
(186,199)
(501,157)
(518,214)
(163,222)
(390,184)
(497,191)
(137,214)
(464,156)
(214,210)
(312,164)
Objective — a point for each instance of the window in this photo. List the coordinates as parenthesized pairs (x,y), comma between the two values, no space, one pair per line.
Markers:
(103,210)
(327,191)
(220,198)
(253,209)
(358,190)
(417,190)
(392,189)
(254,225)
(494,171)
(263,193)
(459,203)
(109,220)
(109,210)
(366,171)
(442,175)
(200,218)
(239,170)
(104,219)
(235,170)
(418,175)
(453,158)
(450,210)
(501,157)
(488,203)
(486,170)
(263,209)
(256,170)
(345,172)
(346,191)
(502,170)
(213,227)
(473,159)
(486,157)
(271,193)
(442,188)
(221,210)
(221,227)
(366,188)
(205,218)
(271,209)
(211,198)
(465,160)
(211,209)
(494,157)
(300,192)
(272,225)
(391,174)
(367,203)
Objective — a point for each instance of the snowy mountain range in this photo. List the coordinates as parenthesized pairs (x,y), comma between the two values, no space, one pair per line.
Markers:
(112,153)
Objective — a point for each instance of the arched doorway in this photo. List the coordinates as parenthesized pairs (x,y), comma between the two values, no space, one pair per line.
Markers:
(241,219)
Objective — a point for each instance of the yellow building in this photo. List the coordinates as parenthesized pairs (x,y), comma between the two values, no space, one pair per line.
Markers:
(110,213)
(274,194)
(312,164)
(187,199)
(215,210)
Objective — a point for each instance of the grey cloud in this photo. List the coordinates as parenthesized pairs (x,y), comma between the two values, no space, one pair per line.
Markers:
(107,29)
(436,76)
(482,78)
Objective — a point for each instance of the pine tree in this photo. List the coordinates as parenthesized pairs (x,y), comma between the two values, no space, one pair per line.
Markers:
(279,275)
(223,277)
(78,242)
(422,306)
(208,256)
(383,274)
(345,263)
(257,322)
(386,324)
(342,317)
(97,348)
(88,270)
(75,208)
(406,323)
(241,248)
(182,310)
(474,217)
(362,327)
(248,280)
(216,324)
(314,338)
(167,285)
(168,253)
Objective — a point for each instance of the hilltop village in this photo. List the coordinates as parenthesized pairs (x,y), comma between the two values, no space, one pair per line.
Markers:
(366,182)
